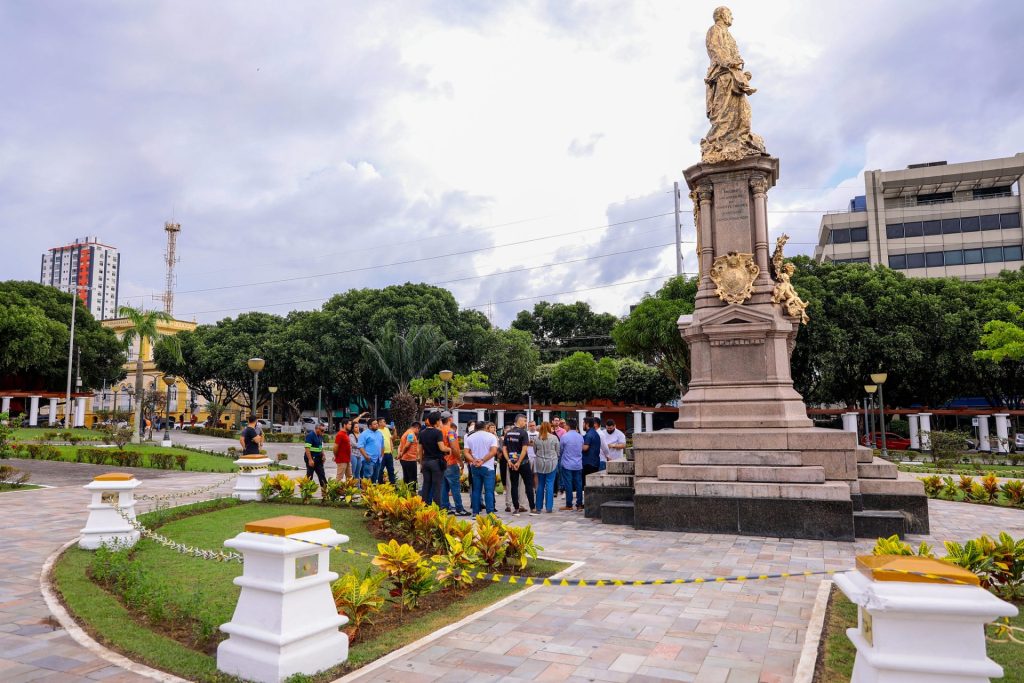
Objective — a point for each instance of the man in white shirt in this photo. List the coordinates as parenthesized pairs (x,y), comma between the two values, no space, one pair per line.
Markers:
(481,447)
(613,443)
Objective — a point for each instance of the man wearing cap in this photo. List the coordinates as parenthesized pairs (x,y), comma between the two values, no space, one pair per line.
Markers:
(315,455)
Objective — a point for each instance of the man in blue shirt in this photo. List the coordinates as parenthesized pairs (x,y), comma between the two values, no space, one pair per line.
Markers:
(591,448)
(315,455)
(571,456)
(371,445)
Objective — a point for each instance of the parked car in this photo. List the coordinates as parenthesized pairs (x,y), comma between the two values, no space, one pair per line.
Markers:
(268,427)
(309,423)
(1018,441)
(893,442)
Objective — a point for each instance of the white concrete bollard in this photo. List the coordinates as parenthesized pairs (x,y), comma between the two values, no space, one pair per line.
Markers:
(105,526)
(916,629)
(850,422)
(251,468)
(285,621)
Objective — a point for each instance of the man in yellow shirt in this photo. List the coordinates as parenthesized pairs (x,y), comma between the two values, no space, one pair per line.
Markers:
(388,461)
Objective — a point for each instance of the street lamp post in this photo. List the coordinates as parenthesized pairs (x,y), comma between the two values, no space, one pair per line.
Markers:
(272,390)
(169,381)
(130,390)
(256,365)
(869,413)
(879,379)
(446,376)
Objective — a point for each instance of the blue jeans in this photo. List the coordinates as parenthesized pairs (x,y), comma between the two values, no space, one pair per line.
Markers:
(602,467)
(376,468)
(360,468)
(546,491)
(387,462)
(483,488)
(573,480)
(452,485)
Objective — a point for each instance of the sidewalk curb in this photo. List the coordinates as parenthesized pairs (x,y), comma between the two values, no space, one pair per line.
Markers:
(815,627)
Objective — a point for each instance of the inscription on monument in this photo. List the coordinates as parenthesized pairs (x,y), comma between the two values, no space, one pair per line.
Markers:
(736,342)
(732,218)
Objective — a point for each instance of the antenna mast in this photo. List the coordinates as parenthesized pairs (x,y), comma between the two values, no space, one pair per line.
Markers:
(170,258)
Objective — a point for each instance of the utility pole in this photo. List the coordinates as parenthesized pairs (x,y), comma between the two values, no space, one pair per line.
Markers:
(170,259)
(679,231)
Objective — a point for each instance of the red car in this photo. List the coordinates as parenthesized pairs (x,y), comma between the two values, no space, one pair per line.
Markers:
(893,442)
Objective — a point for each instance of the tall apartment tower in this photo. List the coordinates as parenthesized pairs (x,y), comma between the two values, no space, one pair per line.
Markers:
(933,220)
(90,268)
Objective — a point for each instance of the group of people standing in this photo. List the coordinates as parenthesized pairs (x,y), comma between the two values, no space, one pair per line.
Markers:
(538,462)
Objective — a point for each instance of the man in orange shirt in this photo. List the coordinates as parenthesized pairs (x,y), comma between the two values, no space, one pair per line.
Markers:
(409,453)
(453,466)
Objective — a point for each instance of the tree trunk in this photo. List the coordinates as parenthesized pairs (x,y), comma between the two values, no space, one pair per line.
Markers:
(137,417)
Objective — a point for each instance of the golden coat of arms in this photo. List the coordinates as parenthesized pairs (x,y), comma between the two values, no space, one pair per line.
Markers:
(734,275)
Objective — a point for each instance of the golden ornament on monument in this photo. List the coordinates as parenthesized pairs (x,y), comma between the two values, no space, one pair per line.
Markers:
(734,275)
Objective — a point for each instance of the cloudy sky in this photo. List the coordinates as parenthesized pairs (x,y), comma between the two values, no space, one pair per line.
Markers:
(306,146)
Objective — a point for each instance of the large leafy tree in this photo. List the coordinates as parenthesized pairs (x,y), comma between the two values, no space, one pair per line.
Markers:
(560,329)
(510,362)
(1002,346)
(643,384)
(650,332)
(35,323)
(575,377)
(144,328)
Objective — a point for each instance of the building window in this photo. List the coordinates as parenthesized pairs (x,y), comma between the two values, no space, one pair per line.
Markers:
(898,262)
(932,228)
(954,257)
(935,198)
(970,224)
(934,259)
(1014,253)
(1009,220)
(950,226)
(992,192)
(972,256)
(992,254)
(841,236)
(915,260)
(859,234)
(989,222)
(913,229)
(894,231)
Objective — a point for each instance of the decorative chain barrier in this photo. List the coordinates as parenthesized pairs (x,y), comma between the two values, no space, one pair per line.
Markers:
(187,494)
(1005,632)
(191,551)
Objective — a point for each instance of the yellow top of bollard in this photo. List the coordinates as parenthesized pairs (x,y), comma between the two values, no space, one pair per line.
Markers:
(114,476)
(286,525)
(914,570)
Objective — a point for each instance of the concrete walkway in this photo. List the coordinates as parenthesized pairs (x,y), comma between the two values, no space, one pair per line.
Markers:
(726,633)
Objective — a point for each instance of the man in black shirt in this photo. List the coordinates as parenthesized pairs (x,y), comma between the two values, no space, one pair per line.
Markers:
(433,449)
(517,440)
(250,438)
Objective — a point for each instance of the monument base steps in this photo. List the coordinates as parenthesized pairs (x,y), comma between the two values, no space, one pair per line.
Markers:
(617,512)
(880,523)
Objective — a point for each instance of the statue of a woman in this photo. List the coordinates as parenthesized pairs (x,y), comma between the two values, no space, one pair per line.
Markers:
(728,86)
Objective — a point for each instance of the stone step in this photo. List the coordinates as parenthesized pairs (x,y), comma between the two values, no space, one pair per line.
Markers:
(879,523)
(602,479)
(797,475)
(647,486)
(617,512)
(749,458)
(813,438)
(621,466)
(877,469)
(865,454)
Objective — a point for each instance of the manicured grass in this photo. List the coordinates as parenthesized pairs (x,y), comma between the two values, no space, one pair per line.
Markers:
(38,433)
(197,462)
(838,654)
(17,487)
(193,582)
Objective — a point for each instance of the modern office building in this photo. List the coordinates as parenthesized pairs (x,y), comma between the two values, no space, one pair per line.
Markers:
(90,268)
(933,220)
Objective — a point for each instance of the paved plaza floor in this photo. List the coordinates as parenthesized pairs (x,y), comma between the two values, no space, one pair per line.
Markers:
(728,633)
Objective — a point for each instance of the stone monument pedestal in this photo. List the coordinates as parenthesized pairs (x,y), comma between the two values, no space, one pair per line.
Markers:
(744,457)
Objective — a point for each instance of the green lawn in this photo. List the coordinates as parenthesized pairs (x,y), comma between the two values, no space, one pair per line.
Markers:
(38,433)
(836,664)
(17,487)
(197,462)
(206,587)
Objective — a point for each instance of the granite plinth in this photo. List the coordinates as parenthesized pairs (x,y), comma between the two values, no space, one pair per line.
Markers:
(830,520)
(596,496)
(879,523)
(617,512)
(914,507)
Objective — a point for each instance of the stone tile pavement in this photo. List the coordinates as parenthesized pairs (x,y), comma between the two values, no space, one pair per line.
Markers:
(724,633)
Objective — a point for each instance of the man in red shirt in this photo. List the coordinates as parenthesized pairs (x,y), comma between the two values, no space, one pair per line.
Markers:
(453,466)
(343,451)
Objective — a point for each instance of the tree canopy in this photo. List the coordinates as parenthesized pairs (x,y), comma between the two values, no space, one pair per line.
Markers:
(560,329)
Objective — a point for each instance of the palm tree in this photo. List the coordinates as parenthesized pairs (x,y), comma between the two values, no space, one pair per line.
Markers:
(402,357)
(144,328)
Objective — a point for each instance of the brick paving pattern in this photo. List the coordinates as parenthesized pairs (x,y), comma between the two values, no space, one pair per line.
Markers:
(724,633)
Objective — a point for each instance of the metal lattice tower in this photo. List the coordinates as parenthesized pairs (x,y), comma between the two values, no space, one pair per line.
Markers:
(170,258)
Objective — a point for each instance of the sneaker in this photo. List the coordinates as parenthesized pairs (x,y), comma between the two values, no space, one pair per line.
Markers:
(522,510)
(567,508)
(549,511)
(508,508)
(515,514)
(534,513)
(462,513)
(579,508)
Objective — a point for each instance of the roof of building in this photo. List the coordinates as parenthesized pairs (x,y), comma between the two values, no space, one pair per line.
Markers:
(938,178)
